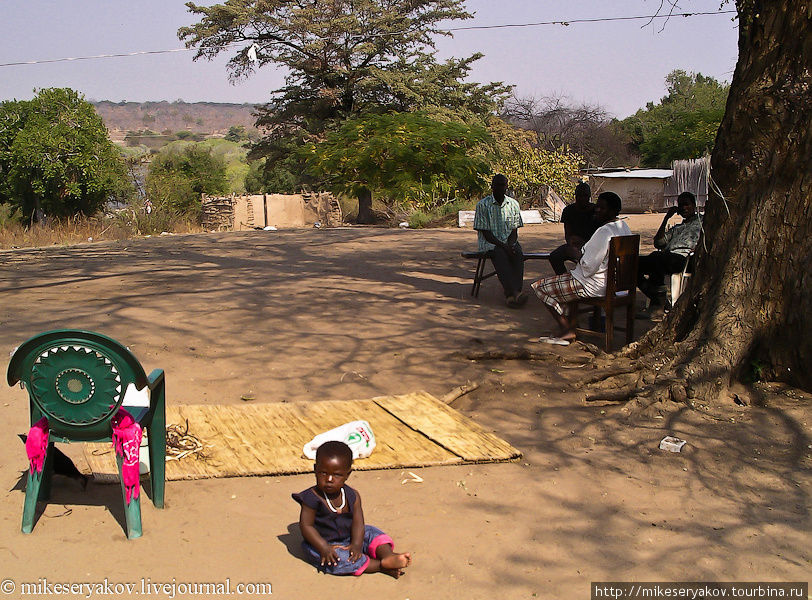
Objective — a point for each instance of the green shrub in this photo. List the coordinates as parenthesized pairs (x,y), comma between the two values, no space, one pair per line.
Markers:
(419,219)
(10,215)
(180,174)
(455,206)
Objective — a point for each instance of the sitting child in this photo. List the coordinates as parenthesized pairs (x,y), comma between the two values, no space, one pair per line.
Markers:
(332,522)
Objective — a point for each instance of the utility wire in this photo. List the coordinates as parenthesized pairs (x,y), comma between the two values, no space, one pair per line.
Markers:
(56,60)
(565,23)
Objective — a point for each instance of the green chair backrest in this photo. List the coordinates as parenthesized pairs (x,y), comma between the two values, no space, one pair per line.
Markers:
(77,379)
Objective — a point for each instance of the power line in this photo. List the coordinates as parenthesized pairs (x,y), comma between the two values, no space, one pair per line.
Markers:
(56,60)
(564,23)
(568,22)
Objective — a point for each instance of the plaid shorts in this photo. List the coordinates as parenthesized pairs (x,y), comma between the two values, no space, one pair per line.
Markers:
(557,290)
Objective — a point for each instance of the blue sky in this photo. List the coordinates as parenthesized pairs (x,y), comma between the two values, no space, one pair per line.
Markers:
(620,65)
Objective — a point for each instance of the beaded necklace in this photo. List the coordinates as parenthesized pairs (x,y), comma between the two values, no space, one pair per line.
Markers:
(330,504)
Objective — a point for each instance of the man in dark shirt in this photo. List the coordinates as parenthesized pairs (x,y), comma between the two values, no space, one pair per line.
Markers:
(579,225)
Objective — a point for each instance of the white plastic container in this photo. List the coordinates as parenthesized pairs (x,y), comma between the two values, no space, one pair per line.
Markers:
(143,457)
(672,444)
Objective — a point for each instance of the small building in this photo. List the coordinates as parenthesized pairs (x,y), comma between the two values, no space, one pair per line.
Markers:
(654,190)
(642,190)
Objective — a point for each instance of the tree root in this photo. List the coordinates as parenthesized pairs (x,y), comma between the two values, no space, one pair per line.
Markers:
(608,375)
(518,354)
(648,386)
(620,396)
(510,355)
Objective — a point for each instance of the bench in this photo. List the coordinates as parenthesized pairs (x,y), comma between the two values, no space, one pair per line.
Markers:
(482,257)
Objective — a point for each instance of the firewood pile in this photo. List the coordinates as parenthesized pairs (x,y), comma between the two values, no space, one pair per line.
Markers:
(218,213)
(326,206)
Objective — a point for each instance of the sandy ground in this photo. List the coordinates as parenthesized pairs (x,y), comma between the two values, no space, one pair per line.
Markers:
(354,313)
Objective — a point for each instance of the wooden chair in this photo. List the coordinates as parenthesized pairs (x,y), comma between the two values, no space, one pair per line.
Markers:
(482,258)
(621,288)
(78,380)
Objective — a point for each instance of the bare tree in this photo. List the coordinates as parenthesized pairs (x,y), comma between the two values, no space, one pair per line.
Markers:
(584,128)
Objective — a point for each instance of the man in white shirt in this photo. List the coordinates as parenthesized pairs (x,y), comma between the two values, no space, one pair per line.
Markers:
(588,278)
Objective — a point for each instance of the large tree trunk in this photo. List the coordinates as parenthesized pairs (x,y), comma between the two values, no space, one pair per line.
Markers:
(365,214)
(748,307)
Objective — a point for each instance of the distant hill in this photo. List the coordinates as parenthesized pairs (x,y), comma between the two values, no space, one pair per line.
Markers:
(207,118)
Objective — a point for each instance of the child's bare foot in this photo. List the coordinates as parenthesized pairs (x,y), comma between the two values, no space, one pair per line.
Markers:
(396,561)
(389,562)
(396,573)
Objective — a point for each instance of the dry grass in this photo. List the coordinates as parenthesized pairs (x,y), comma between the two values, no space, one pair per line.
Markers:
(79,229)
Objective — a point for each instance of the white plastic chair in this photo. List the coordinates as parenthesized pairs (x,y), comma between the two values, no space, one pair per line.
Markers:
(678,280)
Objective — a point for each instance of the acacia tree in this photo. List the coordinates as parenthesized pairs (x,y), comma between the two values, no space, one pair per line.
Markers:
(750,299)
(344,58)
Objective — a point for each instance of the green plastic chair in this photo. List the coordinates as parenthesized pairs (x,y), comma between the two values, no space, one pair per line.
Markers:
(77,379)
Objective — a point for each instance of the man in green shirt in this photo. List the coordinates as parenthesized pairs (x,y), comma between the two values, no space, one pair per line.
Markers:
(673,247)
(496,220)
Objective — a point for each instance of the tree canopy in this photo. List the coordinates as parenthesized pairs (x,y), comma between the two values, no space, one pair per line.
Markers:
(56,156)
(516,153)
(411,157)
(342,57)
(683,124)
(346,59)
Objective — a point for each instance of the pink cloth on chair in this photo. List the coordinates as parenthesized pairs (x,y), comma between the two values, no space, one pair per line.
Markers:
(36,445)
(127,443)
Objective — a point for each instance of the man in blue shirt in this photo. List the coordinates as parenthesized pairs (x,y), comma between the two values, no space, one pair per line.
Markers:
(496,221)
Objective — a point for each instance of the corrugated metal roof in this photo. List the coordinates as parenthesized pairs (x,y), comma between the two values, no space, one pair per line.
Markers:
(638,174)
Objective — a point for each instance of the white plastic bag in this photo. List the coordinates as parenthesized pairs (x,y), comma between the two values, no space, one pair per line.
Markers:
(356,434)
